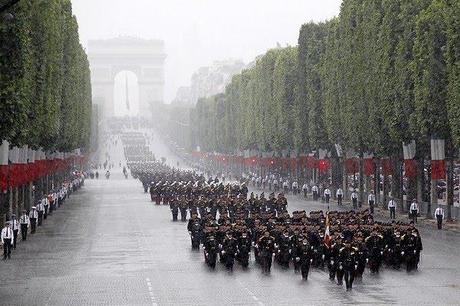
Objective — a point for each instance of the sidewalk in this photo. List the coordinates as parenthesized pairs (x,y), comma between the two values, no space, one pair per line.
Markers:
(380,213)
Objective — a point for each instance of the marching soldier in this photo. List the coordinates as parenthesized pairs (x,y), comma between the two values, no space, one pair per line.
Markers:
(25,222)
(349,263)
(183,205)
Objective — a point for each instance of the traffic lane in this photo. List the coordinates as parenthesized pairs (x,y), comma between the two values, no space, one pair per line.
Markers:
(436,283)
(439,267)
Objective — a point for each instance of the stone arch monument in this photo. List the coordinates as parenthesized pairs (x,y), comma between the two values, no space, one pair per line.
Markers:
(145,58)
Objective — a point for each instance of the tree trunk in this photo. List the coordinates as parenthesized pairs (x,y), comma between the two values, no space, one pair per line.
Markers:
(450,186)
(434,198)
(361,180)
(384,191)
(396,184)
(420,179)
(344,180)
(377,182)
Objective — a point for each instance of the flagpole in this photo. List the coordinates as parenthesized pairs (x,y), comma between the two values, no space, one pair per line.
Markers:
(126,91)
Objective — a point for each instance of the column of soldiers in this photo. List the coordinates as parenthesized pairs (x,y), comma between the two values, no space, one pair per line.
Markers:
(231,226)
(45,205)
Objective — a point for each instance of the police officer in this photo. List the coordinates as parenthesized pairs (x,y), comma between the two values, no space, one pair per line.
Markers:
(371,201)
(315,191)
(40,210)
(33,216)
(25,222)
(439,213)
(354,199)
(305,190)
(392,208)
(327,195)
(7,240)
(14,224)
(339,195)
(414,210)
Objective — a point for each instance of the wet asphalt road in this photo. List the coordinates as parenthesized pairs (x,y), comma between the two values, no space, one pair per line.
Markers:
(109,245)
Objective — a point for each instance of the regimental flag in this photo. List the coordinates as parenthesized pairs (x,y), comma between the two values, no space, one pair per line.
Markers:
(327,234)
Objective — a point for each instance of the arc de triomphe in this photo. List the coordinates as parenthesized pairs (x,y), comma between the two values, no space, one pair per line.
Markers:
(145,58)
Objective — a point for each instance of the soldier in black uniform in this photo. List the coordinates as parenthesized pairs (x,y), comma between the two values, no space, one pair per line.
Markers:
(349,263)
(183,205)
(195,230)
(265,246)
(174,206)
(374,245)
(305,257)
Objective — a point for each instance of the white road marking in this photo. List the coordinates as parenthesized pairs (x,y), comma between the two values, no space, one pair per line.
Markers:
(254,297)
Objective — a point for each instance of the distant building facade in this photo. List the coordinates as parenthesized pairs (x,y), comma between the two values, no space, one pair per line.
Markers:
(208,81)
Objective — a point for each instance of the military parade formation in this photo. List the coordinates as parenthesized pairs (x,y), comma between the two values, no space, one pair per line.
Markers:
(231,223)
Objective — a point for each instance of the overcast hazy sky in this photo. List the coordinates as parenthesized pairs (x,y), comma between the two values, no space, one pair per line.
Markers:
(197,32)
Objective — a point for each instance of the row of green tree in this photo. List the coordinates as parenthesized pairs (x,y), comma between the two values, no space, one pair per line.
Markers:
(45,90)
(382,73)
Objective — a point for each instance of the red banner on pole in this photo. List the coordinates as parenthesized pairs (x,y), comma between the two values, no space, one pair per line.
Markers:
(368,166)
(387,167)
(352,165)
(410,169)
(438,170)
